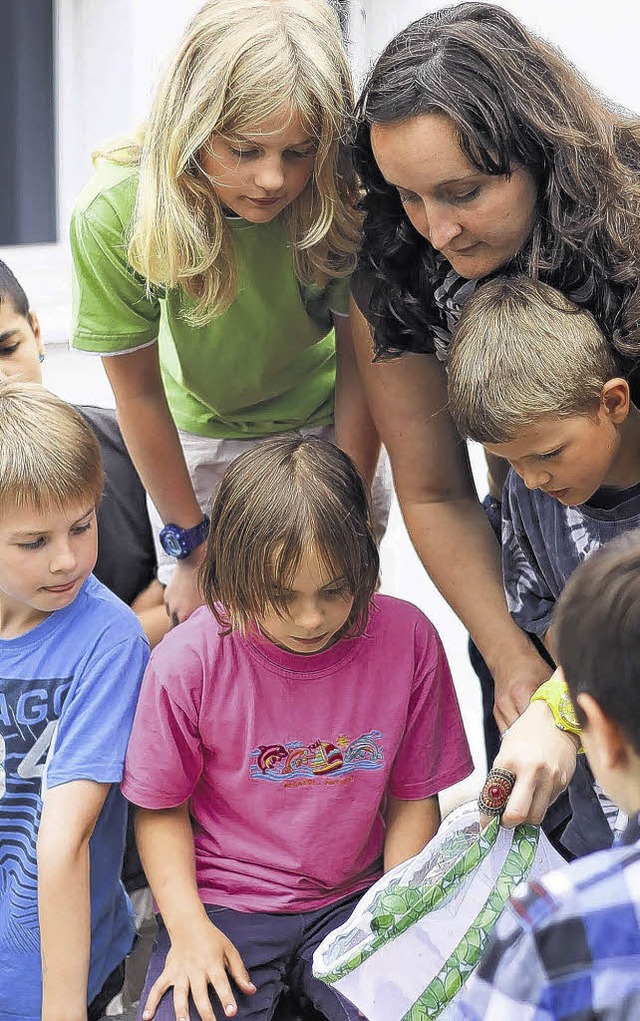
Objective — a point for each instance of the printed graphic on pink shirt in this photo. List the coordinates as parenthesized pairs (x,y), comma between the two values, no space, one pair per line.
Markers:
(314,761)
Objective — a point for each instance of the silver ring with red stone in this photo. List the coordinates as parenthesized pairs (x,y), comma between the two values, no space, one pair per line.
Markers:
(496,790)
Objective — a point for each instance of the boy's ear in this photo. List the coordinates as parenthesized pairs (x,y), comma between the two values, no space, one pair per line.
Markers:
(34,322)
(616,399)
(606,739)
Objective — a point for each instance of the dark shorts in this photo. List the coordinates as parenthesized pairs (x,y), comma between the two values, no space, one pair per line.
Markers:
(277,951)
(111,988)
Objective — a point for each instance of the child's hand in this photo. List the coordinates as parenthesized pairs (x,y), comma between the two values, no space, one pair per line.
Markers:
(182,595)
(191,966)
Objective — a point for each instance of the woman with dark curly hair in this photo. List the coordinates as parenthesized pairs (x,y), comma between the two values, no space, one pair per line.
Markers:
(482,150)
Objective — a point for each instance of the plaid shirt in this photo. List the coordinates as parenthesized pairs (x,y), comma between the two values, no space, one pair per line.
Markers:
(568,947)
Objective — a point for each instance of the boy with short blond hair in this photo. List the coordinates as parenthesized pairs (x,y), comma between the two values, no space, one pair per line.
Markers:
(569,945)
(72,659)
(534,380)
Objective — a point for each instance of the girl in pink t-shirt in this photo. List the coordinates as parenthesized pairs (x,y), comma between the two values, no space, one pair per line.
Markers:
(290,740)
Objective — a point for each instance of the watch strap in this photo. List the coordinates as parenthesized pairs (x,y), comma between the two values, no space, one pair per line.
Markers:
(188,539)
(555,694)
(196,536)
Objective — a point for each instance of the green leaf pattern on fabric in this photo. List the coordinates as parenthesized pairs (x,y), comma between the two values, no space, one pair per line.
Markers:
(399,907)
(457,969)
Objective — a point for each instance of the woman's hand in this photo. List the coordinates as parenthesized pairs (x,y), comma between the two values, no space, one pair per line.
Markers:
(205,958)
(543,760)
(516,682)
(182,595)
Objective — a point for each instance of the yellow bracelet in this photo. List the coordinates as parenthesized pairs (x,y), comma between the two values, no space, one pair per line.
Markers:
(555,694)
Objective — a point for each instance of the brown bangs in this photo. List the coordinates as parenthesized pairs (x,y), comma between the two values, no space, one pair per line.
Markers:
(49,455)
(281,499)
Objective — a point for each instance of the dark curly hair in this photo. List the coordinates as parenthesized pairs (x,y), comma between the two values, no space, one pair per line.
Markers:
(514,100)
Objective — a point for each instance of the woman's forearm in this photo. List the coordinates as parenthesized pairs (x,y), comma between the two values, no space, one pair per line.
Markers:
(409,404)
(456,545)
(408,400)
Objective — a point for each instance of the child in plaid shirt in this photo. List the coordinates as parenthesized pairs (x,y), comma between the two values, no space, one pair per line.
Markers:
(568,948)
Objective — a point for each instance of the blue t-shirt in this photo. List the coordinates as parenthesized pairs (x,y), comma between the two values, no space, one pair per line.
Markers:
(68,692)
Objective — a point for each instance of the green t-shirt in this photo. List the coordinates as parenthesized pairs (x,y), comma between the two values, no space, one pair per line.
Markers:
(266,365)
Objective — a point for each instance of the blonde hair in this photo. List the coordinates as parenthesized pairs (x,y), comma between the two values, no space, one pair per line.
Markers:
(49,456)
(522,350)
(239,63)
(278,500)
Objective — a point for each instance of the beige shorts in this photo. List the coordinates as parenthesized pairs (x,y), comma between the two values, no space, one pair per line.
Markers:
(207,460)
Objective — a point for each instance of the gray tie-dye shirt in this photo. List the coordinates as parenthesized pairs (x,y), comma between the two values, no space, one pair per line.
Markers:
(543,542)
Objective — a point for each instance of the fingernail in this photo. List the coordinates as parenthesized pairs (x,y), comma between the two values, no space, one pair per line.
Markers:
(147,1014)
(251,986)
(229,1009)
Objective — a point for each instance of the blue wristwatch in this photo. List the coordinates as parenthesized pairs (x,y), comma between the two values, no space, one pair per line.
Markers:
(180,542)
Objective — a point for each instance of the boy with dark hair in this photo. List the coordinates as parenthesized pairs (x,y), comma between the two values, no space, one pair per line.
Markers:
(533,379)
(72,659)
(568,948)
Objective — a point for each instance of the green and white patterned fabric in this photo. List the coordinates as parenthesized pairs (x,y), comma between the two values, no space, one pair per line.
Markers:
(417,935)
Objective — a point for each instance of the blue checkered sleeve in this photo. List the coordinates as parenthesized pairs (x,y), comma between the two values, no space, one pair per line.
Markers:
(565,949)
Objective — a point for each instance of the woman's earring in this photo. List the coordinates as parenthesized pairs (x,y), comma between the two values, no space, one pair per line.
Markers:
(41,357)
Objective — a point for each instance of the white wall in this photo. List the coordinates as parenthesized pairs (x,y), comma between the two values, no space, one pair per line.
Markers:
(109,53)
(600,38)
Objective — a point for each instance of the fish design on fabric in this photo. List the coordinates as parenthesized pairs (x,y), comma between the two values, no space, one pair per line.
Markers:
(317,758)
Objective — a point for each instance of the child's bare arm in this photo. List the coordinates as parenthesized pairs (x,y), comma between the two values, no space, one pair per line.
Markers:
(153,444)
(409,825)
(356,433)
(200,954)
(69,815)
(150,610)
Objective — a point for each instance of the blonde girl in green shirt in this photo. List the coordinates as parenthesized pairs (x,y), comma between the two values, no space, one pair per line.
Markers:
(212,257)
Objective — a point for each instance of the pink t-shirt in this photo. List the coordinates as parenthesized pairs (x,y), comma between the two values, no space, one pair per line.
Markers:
(286,759)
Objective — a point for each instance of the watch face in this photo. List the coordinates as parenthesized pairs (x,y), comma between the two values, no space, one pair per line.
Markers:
(170,543)
(567,713)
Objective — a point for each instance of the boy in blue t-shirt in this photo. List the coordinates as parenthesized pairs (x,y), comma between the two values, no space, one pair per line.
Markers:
(533,379)
(71,660)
